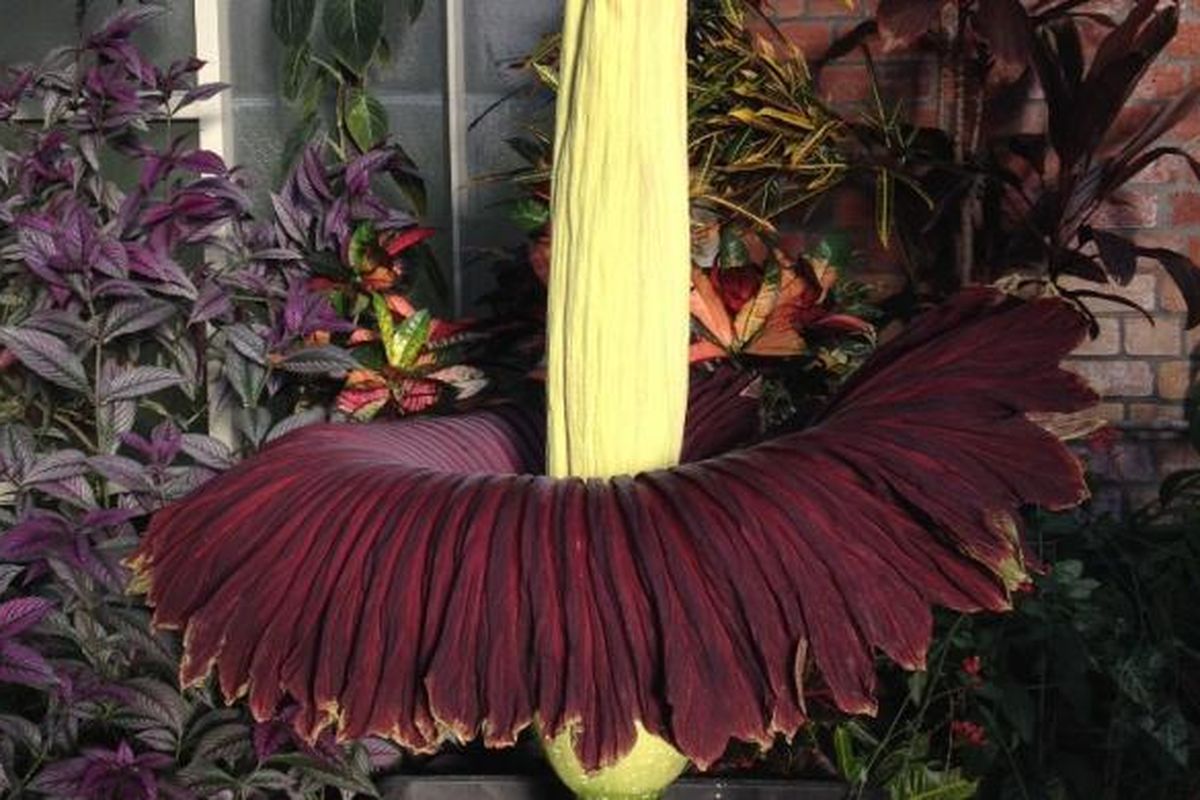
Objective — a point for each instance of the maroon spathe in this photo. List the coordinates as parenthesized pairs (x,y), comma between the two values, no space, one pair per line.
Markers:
(411,580)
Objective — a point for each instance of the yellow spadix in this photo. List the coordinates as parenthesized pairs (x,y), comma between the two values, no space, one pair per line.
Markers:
(618,313)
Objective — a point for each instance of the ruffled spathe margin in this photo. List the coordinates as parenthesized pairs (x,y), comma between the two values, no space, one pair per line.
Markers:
(411,580)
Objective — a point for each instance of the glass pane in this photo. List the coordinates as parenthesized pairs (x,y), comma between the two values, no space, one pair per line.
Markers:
(33,27)
(503,102)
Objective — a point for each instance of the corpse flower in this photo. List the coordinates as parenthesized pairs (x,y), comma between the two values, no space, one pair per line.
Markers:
(470,576)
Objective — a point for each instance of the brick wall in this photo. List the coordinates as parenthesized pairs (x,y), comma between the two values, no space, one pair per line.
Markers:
(1143,369)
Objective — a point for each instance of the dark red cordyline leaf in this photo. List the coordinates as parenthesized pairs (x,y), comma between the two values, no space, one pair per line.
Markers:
(902,22)
(409,580)
(1006,27)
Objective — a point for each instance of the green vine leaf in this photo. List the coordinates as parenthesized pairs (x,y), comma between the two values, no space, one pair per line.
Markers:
(292,20)
(297,72)
(366,120)
(354,29)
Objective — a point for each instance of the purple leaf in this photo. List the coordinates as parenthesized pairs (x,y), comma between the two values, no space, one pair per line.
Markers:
(122,24)
(296,421)
(325,360)
(167,276)
(47,356)
(61,323)
(76,491)
(125,472)
(21,614)
(57,466)
(118,418)
(119,288)
(223,742)
(111,259)
(248,343)
(207,451)
(290,219)
(60,778)
(138,382)
(135,315)
(360,171)
(337,222)
(162,446)
(381,753)
(154,703)
(212,303)
(24,665)
(201,93)
(16,451)
(277,254)
(204,162)
(311,178)
(103,518)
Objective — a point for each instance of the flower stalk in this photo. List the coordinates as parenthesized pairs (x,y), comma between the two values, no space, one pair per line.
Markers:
(619,283)
(620,262)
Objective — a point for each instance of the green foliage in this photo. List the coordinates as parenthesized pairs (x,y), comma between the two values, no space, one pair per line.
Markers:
(326,76)
(292,20)
(366,119)
(1085,690)
(354,29)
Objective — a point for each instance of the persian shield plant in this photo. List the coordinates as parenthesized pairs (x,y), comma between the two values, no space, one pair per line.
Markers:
(137,294)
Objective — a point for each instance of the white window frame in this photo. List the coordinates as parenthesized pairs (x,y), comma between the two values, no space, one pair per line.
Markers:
(212,44)
(213,118)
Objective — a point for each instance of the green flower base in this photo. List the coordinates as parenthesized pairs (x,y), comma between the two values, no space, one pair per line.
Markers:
(644,774)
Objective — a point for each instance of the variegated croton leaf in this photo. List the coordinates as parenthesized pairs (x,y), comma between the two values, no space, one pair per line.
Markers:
(414,580)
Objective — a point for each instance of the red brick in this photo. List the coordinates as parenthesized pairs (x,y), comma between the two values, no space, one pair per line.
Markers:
(1131,210)
(1162,83)
(1114,378)
(1185,208)
(1187,42)
(783,9)
(1106,343)
(1165,170)
(1174,378)
(1187,130)
(813,39)
(843,84)
(1155,412)
(1163,338)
